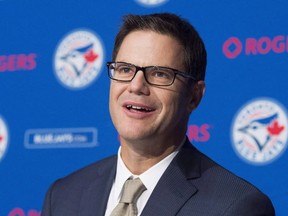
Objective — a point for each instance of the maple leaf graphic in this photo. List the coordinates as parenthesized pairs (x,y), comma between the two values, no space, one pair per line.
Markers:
(1,138)
(91,56)
(275,128)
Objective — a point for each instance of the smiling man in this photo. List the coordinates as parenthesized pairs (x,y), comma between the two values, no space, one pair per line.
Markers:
(150,114)
(157,79)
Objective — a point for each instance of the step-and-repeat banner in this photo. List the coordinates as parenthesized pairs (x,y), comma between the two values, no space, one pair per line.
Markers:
(54,91)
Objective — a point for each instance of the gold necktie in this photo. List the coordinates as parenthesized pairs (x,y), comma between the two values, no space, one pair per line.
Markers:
(132,190)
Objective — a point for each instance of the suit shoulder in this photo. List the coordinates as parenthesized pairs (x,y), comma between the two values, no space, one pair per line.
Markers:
(230,188)
(64,196)
(223,177)
(89,173)
(209,169)
(222,190)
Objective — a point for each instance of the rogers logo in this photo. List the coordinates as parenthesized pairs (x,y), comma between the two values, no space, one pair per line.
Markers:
(233,46)
(17,62)
(199,133)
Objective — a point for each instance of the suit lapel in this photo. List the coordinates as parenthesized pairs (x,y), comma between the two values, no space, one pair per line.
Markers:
(171,193)
(95,197)
(174,188)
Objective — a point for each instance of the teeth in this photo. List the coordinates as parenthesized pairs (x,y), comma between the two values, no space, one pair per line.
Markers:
(137,108)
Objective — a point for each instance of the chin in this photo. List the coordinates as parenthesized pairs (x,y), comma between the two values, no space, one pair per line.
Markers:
(130,137)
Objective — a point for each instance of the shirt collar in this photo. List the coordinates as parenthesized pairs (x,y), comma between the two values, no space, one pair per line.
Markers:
(149,178)
(122,174)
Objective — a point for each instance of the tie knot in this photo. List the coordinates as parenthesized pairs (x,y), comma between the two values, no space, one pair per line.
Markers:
(132,190)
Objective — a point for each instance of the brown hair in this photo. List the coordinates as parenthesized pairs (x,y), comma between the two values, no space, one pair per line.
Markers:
(195,57)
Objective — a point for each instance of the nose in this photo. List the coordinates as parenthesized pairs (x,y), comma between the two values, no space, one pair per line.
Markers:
(139,84)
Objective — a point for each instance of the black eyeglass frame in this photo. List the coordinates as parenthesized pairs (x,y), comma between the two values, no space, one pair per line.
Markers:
(138,68)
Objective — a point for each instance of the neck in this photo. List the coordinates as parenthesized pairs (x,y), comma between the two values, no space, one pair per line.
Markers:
(139,157)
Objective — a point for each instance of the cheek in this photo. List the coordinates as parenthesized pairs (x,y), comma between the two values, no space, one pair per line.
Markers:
(116,89)
(170,104)
(112,98)
(177,106)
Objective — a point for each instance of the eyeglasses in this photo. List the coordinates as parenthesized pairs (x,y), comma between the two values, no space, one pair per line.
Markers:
(154,75)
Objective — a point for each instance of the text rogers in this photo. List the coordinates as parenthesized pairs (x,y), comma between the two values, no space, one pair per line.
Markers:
(233,46)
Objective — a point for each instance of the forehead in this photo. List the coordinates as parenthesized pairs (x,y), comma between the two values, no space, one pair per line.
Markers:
(146,48)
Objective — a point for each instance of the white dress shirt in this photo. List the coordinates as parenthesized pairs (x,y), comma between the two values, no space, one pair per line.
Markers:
(149,178)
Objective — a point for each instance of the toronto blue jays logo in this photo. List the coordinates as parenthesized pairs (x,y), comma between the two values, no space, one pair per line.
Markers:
(78,59)
(259,131)
(151,3)
(3,138)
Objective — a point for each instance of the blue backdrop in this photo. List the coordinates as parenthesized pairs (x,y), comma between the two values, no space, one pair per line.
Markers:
(54,91)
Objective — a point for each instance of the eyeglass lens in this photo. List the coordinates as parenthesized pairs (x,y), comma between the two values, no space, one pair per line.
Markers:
(153,74)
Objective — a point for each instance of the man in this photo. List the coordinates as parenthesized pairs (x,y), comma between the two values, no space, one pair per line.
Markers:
(157,79)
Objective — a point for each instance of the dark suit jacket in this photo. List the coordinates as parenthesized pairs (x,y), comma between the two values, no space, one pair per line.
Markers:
(193,184)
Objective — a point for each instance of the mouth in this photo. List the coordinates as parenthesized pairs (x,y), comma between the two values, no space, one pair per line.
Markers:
(138,108)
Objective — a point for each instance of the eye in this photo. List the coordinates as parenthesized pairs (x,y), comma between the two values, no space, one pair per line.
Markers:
(124,69)
(159,74)
(162,74)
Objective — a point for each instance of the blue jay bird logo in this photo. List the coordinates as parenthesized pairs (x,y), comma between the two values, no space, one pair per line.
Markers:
(78,59)
(3,138)
(259,131)
(151,3)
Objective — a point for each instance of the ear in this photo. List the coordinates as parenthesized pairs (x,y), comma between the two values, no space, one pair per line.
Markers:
(196,93)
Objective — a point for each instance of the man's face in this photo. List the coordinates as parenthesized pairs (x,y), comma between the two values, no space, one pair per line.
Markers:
(141,111)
